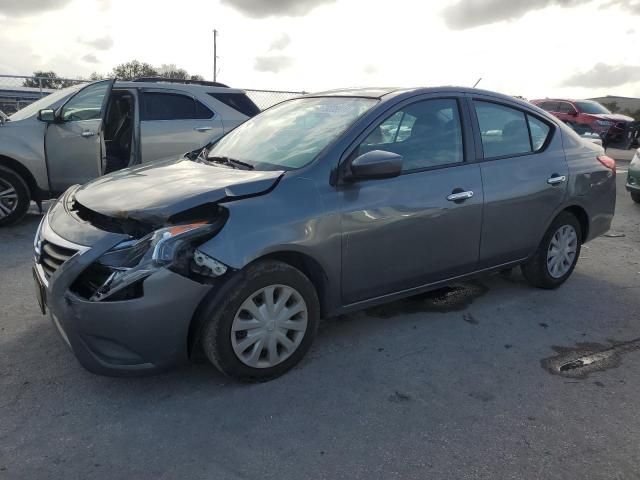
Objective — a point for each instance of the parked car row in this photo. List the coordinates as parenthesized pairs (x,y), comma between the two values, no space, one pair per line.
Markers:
(318,206)
(589,117)
(79,133)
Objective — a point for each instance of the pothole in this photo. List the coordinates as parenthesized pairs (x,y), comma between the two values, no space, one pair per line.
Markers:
(454,297)
(586,358)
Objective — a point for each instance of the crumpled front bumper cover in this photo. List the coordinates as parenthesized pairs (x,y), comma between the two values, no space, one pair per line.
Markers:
(128,337)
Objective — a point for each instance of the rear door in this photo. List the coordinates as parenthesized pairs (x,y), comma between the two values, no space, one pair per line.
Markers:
(524,174)
(424,225)
(173,123)
(74,144)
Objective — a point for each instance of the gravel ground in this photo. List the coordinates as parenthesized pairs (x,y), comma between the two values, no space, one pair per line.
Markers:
(448,385)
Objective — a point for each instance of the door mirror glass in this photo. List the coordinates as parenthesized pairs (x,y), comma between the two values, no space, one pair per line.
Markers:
(47,115)
(377,164)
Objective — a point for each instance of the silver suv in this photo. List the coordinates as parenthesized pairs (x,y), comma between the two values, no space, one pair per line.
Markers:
(81,132)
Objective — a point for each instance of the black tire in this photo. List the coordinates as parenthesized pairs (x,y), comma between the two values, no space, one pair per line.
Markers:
(535,270)
(16,182)
(217,315)
(635,197)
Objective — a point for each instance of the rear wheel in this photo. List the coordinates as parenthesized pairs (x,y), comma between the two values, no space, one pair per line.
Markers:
(14,197)
(635,197)
(263,323)
(557,254)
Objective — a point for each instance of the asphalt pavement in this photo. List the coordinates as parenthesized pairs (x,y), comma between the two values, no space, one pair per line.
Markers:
(489,379)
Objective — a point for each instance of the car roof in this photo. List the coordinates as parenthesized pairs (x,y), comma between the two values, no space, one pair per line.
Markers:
(175,86)
(382,92)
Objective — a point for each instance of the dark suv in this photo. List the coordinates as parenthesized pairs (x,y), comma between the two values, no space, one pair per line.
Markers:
(589,116)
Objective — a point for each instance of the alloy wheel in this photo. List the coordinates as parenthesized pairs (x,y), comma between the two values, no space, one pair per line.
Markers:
(562,251)
(8,199)
(269,326)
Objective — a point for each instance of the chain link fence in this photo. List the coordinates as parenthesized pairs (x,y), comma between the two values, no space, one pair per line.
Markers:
(267,98)
(18,91)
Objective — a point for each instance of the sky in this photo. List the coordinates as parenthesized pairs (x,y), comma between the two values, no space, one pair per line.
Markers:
(532,48)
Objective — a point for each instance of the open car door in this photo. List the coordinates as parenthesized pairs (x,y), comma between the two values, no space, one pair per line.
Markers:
(74,141)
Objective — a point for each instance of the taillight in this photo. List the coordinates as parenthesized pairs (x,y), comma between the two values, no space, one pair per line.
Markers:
(608,162)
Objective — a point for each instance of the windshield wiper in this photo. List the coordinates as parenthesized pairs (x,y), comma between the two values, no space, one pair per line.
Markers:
(232,162)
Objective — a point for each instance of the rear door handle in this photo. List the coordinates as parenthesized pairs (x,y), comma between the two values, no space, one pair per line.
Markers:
(203,129)
(458,196)
(87,134)
(556,179)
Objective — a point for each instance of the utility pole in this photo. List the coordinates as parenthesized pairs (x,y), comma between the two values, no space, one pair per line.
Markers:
(215,54)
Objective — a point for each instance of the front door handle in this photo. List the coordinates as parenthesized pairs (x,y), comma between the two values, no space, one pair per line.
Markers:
(556,179)
(87,134)
(203,129)
(459,196)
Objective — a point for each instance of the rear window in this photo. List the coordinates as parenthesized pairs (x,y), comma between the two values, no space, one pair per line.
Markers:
(237,101)
(171,106)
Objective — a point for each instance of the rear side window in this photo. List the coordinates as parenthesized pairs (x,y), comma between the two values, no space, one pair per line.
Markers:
(566,108)
(539,132)
(237,101)
(507,132)
(171,106)
(549,106)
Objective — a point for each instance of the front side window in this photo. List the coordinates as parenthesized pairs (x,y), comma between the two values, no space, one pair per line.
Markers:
(86,104)
(426,134)
(291,134)
(592,108)
(506,131)
(171,106)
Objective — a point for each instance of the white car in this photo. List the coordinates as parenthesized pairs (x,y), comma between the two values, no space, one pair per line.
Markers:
(79,133)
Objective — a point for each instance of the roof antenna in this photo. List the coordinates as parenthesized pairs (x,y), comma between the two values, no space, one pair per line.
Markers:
(476,84)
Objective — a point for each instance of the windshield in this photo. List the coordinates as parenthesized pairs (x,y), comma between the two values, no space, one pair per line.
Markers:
(45,102)
(291,134)
(591,107)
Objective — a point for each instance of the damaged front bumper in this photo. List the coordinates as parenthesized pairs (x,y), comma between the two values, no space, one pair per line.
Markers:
(130,336)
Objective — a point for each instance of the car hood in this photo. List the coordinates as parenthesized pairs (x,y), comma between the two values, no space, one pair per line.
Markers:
(154,193)
(614,117)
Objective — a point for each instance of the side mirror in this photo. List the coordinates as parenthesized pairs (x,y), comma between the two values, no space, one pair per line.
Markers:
(376,164)
(47,115)
(573,113)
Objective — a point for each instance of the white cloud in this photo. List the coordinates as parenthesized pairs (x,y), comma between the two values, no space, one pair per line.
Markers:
(603,75)
(281,42)
(101,43)
(266,8)
(18,8)
(272,63)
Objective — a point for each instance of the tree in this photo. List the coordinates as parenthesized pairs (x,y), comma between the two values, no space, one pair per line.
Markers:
(171,71)
(613,107)
(46,80)
(134,69)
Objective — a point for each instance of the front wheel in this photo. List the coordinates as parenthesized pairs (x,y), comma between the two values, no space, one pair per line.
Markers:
(635,197)
(263,324)
(14,197)
(557,254)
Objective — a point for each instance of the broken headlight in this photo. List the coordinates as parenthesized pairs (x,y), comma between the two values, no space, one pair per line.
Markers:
(129,262)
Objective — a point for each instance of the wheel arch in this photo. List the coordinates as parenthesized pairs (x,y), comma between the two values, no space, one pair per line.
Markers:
(20,169)
(582,217)
(309,266)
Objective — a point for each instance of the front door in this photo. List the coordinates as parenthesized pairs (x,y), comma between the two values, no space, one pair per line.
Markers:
(524,174)
(422,226)
(173,123)
(73,143)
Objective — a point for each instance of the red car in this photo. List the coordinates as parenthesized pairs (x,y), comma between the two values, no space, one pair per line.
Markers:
(589,116)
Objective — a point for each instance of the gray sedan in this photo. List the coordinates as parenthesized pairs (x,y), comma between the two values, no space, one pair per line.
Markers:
(318,206)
